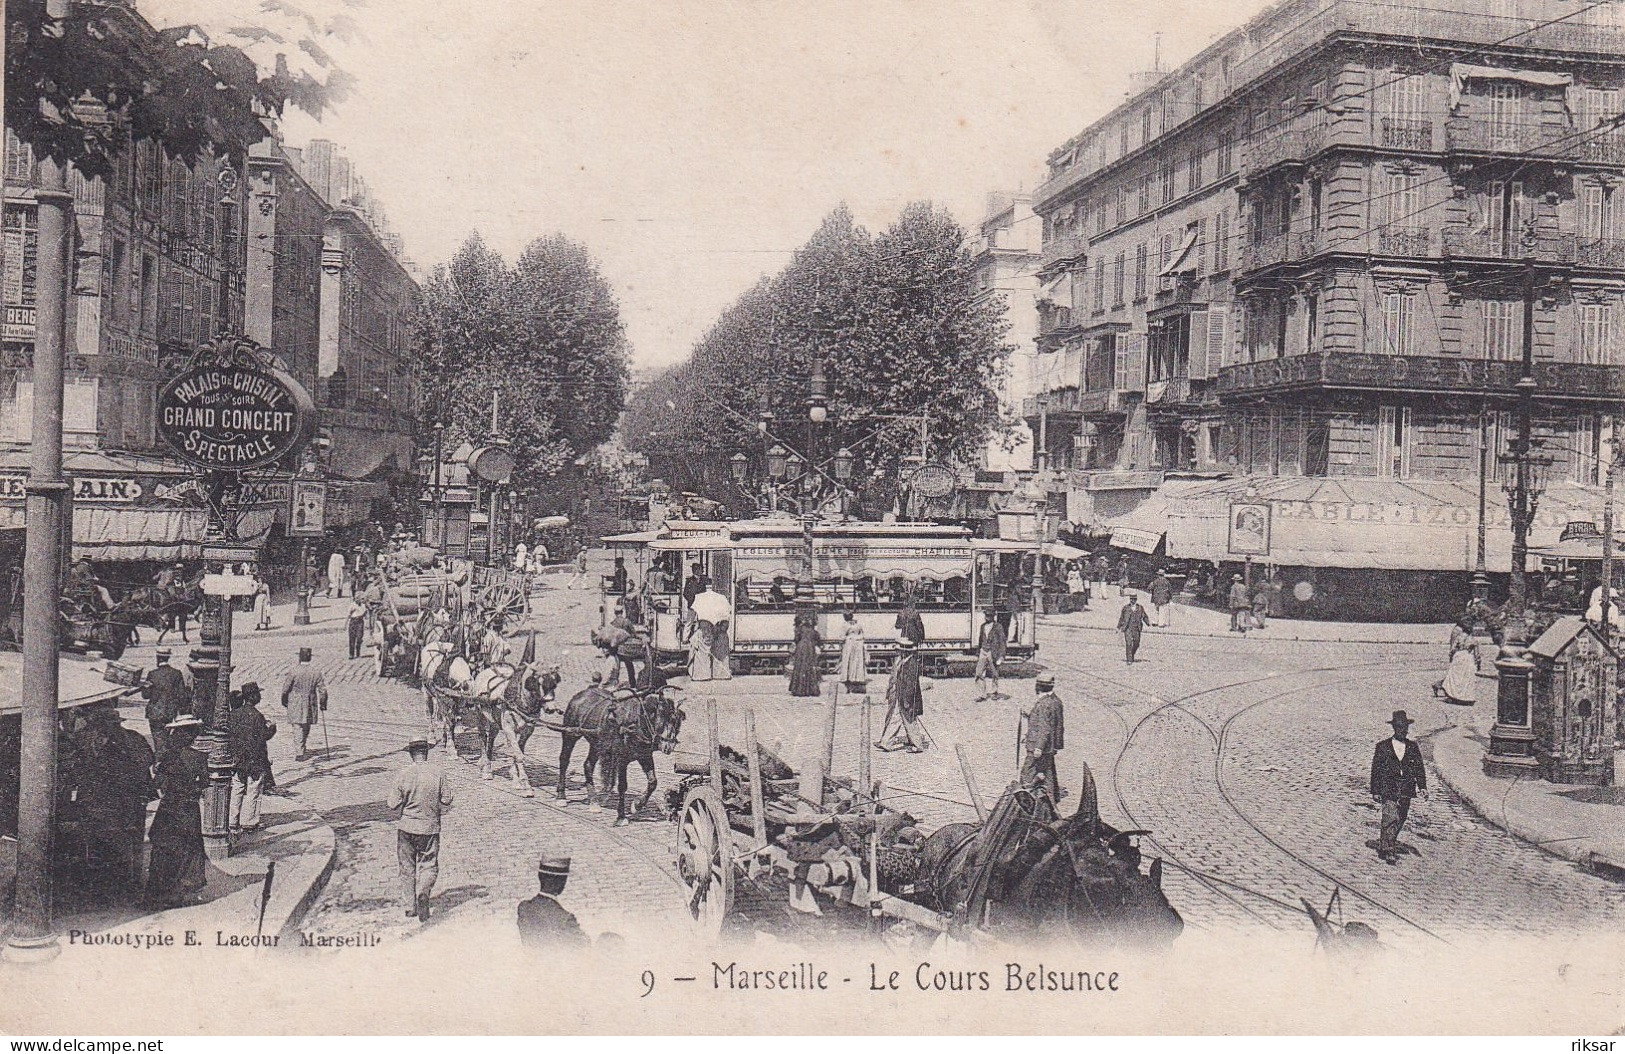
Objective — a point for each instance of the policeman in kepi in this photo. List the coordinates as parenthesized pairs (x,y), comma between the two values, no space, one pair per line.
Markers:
(1046,735)
(543,921)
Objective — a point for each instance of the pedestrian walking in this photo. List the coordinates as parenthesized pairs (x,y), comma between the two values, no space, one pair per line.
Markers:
(335,574)
(355,625)
(905,704)
(1162,599)
(248,732)
(580,577)
(805,676)
(262,603)
(854,667)
(1122,577)
(1397,776)
(177,868)
(990,648)
(1046,736)
(304,694)
(168,696)
(1077,590)
(419,798)
(1241,605)
(1460,684)
(1261,605)
(1131,622)
(543,922)
(114,787)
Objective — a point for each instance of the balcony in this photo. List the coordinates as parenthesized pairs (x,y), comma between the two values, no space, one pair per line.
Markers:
(1525,138)
(1291,247)
(1601,252)
(1405,241)
(1295,145)
(1418,373)
(1174,391)
(1600,148)
(1062,249)
(1505,245)
(1413,136)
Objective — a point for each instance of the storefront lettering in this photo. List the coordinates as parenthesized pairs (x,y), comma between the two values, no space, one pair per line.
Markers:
(232,417)
(113,490)
(1406,515)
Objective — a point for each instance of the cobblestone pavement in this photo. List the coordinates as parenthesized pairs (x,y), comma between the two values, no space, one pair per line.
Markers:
(1246,757)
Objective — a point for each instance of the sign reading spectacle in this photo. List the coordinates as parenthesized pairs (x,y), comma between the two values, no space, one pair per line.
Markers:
(230,411)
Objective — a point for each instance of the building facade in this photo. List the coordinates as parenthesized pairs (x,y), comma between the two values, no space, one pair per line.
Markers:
(1304,257)
(1005,254)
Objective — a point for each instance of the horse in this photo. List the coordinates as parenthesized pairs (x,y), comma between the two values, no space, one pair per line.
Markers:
(620,727)
(161,608)
(1029,874)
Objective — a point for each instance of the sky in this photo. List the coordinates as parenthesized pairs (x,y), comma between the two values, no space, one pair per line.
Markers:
(692,145)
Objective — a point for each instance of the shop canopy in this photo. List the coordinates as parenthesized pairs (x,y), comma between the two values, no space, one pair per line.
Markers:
(1383,524)
(102,533)
(1142,530)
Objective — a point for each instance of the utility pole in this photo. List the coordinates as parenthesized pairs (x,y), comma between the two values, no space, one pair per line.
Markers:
(1608,543)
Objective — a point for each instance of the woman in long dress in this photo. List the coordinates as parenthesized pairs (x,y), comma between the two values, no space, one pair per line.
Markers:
(262,603)
(854,669)
(804,676)
(176,869)
(1460,684)
(905,704)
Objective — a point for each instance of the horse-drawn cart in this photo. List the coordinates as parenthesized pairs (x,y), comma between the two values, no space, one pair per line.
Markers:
(1023,871)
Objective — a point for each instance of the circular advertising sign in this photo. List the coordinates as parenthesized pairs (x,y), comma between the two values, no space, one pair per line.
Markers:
(933,480)
(493,464)
(227,414)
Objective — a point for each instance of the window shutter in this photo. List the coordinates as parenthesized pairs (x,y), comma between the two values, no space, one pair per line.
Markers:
(1218,340)
(1132,359)
(1197,346)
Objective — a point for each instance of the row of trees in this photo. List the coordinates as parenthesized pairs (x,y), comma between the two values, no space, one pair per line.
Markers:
(897,323)
(542,336)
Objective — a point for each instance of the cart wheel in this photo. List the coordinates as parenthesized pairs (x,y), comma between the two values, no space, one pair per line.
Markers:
(703,862)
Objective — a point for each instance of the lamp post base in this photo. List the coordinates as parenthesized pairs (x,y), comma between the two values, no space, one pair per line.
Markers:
(301,608)
(31,951)
(1511,754)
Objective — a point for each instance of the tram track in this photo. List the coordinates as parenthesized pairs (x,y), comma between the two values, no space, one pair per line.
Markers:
(1220,885)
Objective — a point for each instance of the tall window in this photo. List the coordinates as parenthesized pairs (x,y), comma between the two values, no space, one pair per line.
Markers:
(1123,138)
(1393,441)
(1398,323)
(1100,286)
(1221,242)
(1405,199)
(1122,203)
(1227,155)
(19,159)
(21,251)
(1504,105)
(1597,334)
(1119,267)
(1407,98)
(1193,171)
(1504,216)
(1142,254)
(1596,211)
(1502,329)
(1145,196)
(1165,257)
(1166,178)
(1145,126)
(1600,104)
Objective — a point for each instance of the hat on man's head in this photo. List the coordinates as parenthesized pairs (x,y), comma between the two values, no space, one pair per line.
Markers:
(553,867)
(906,644)
(1400,720)
(418,743)
(164,654)
(1235,578)
(1045,680)
(185,721)
(304,654)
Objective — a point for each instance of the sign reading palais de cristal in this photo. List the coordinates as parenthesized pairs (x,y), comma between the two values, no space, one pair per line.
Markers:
(231,411)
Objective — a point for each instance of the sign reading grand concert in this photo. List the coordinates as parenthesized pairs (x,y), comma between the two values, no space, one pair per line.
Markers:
(226,412)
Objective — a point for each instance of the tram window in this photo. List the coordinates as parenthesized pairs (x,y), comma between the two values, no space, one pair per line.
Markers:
(956,590)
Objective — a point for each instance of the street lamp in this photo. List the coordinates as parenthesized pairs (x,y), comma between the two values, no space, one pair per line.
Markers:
(794,468)
(739,466)
(818,395)
(778,461)
(843,464)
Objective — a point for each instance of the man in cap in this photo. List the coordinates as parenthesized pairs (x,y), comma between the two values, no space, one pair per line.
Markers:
(1046,735)
(304,694)
(1397,776)
(167,695)
(1241,605)
(1162,599)
(419,797)
(1131,622)
(543,921)
(249,732)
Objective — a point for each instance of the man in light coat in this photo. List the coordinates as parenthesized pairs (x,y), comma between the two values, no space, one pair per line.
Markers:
(305,695)
(335,574)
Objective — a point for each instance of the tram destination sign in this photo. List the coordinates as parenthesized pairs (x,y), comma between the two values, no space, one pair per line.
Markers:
(230,411)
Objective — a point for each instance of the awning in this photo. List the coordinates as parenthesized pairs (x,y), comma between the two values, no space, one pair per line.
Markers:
(1461,73)
(1178,263)
(1142,529)
(1057,291)
(847,563)
(695,544)
(1383,524)
(101,533)
(1062,551)
(1002,545)
(635,540)
(78,683)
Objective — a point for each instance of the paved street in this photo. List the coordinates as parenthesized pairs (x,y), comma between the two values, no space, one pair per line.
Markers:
(1246,758)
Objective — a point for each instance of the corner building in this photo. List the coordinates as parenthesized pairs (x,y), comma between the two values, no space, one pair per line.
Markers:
(1294,272)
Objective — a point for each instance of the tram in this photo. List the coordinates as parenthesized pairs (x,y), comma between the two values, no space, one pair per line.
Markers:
(875,570)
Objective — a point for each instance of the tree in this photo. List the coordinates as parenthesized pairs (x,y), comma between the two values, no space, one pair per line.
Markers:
(544,336)
(897,323)
(84,78)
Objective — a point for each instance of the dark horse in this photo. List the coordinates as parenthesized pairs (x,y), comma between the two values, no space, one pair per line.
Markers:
(1032,875)
(620,727)
(162,608)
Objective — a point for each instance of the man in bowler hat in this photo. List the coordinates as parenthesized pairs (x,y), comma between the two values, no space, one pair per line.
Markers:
(1397,776)
(543,921)
(167,697)
(1046,735)
(304,694)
